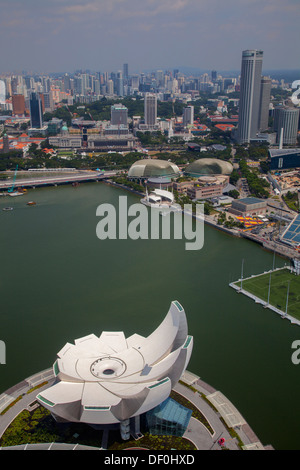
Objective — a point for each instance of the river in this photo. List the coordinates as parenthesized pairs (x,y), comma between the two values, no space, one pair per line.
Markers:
(60,282)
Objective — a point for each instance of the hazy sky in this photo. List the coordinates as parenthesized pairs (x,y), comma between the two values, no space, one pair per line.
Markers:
(101,35)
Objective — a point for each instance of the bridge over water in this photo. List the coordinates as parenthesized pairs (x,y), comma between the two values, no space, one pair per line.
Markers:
(55,179)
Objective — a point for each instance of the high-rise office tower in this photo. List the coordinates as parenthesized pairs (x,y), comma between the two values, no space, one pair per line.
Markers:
(46,82)
(66,83)
(110,87)
(97,87)
(120,84)
(48,102)
(119,115)
(125,71)
(85,82)
(188,116)
(214,76)
(135,82)
(36,113)
(78,85)
(2,92)
(265,95)
(150,109)
(159,77)
(287,125)
(18,104)
(249,106)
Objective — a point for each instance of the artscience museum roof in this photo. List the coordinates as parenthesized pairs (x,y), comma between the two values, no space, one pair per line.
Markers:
(109,379)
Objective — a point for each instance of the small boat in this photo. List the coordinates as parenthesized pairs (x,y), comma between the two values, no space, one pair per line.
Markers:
(7,208)
(31,203)
(16,193)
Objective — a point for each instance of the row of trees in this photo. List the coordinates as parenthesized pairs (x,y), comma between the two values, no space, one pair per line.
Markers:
(258,186)
(257,152)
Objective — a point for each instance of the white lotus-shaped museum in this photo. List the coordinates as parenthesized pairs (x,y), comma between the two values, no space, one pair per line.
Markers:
(110,379)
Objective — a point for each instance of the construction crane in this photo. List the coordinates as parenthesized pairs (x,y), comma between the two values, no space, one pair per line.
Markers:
(10,190)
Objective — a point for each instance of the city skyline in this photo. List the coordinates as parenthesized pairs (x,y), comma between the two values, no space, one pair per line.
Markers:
(70,34)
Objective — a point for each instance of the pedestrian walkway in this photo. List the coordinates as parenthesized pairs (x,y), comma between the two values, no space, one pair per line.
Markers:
(219,412)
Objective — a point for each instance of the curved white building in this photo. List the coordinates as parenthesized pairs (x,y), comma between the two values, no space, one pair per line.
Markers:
(110,379)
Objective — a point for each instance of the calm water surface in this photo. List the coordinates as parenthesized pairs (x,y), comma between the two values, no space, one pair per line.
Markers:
(60,282)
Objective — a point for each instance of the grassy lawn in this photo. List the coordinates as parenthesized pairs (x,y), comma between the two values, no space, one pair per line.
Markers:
(259,286)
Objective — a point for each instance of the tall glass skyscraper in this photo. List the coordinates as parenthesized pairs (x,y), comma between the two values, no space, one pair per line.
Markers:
(150,109)
(265,96)
(36,112)
(287,122)
(2,92)
(188,116)
(249,107)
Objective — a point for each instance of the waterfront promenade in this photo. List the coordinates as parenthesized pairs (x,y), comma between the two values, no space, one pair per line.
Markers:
(269,245)
(218,411)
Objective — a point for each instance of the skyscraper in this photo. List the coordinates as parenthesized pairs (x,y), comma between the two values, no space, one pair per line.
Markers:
(214,76)
(18,104)
(265,94)
(188,116)
(120,84)
(150,109)
(249,106)
(125,71)
(110,87)
(287,125)
(2,92)
(119,115)
(36,113)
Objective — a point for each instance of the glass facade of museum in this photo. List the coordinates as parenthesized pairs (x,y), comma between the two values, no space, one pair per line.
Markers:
(168,419)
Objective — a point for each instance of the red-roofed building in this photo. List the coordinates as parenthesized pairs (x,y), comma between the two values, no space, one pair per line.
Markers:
(225,127)
(199,129)
(22,142)
(49,151)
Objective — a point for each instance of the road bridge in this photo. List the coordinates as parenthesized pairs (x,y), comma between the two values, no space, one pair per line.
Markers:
(39,180)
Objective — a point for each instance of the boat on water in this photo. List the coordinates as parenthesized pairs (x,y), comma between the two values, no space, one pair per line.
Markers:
(15,193)
(160,199)
(31,203)
(7,208)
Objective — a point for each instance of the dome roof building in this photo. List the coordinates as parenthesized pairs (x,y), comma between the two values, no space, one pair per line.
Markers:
(64,129)
(149,168)
(209,166)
